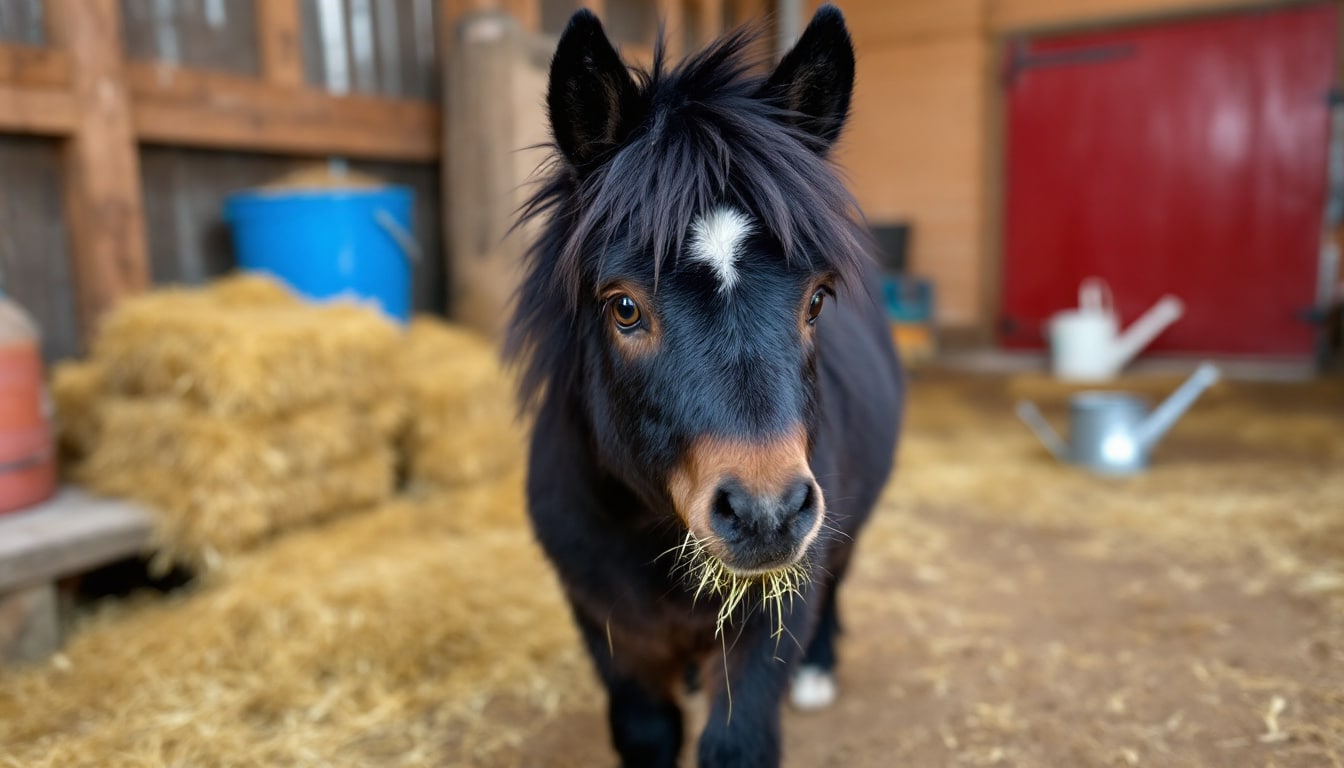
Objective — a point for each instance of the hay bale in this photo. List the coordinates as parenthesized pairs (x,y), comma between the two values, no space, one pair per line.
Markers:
(268,360)
(198,522)
(251,290)
(461,426)
(182,443)
(76,389)
(237,411)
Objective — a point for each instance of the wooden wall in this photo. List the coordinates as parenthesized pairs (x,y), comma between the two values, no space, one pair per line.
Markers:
(125,123)
(925,140)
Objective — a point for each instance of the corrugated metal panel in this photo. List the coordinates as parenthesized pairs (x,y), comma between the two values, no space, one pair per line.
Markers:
(384,47)
(34,249)
(21,22)
(201,34)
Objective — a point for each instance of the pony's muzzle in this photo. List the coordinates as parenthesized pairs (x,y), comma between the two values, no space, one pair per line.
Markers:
(753,504)
(764,531)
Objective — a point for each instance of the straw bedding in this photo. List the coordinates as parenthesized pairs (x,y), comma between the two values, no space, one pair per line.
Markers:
(369,641)
(1003,610)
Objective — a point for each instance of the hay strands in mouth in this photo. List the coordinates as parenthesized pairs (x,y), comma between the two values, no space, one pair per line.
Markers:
(707,575)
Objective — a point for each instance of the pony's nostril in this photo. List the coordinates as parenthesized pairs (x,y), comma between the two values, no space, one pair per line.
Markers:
(723,506)
(799,508)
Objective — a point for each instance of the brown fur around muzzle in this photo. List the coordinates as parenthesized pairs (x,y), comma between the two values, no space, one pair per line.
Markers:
(769,470)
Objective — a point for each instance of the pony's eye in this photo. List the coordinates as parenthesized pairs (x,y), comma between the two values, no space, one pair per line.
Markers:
(625,312)
(814,307)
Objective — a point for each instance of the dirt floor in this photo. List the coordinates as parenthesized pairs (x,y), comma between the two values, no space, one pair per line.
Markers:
(1004,610)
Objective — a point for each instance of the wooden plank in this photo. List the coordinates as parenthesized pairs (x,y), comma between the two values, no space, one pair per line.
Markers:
(920,109)
(1019,15)
(527,12)
(36,110)
(215,110)
(280,40)
(71,533)
(744,11)
(884,21)
(30,624)
(102,187)
(708,20)
(31,66)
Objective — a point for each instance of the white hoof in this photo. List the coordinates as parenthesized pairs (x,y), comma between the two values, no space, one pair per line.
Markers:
(813,689)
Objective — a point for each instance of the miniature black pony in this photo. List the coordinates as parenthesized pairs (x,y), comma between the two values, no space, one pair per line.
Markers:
(710,431)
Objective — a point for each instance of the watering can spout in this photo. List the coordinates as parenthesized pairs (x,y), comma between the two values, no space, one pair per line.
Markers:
(1141,332)
(1160,420)
(1031,415)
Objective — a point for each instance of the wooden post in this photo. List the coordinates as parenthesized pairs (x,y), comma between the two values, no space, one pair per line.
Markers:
(30,627)
(102,170)
(280,40)
(493,86)
(709,20)
(672,15)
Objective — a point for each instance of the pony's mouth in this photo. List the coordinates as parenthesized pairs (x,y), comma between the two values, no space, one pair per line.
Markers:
(771,590)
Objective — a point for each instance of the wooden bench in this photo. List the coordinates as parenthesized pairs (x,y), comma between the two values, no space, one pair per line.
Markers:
(68,534)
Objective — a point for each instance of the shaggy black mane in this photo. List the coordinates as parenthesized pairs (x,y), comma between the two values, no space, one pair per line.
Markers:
(707,135)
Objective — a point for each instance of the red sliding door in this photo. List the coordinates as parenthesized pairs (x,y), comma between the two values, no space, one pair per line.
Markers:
(1186,157)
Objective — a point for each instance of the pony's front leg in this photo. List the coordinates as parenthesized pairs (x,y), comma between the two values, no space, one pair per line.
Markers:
(645,719)
(743,727)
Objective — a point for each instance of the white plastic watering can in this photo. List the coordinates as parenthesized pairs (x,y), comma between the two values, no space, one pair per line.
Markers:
(1086,344)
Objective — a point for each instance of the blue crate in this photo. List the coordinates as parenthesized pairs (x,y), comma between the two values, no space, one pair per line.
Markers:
(908,299)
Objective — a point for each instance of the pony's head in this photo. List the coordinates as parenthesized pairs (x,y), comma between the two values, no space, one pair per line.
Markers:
(694,232)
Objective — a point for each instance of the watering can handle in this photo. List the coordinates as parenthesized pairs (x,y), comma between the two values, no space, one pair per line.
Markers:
(1094,294)
(405,240)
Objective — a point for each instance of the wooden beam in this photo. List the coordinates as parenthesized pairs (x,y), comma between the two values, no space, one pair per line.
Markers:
(280,40)
(42,111)
(69,533)
(214,110)
(31,66)
(103,209)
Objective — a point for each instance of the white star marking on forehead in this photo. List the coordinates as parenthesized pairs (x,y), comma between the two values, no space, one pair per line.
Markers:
(715,238)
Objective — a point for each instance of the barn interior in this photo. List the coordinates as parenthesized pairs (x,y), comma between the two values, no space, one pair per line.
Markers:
(261,468)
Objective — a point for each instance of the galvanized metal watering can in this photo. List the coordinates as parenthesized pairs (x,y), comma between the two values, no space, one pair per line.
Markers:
(1113,433)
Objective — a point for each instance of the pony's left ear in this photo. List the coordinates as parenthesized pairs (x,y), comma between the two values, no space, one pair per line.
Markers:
(814,81)
(591,97)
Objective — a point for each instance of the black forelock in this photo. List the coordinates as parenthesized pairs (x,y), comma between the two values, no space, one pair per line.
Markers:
(706,138)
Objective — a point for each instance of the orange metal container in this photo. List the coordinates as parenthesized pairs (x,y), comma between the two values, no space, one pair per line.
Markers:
(27,455)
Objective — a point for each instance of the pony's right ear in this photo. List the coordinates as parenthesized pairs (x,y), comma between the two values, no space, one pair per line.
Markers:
(591,97)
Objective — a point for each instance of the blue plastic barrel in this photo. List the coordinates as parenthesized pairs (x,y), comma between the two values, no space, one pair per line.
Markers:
(326,243)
